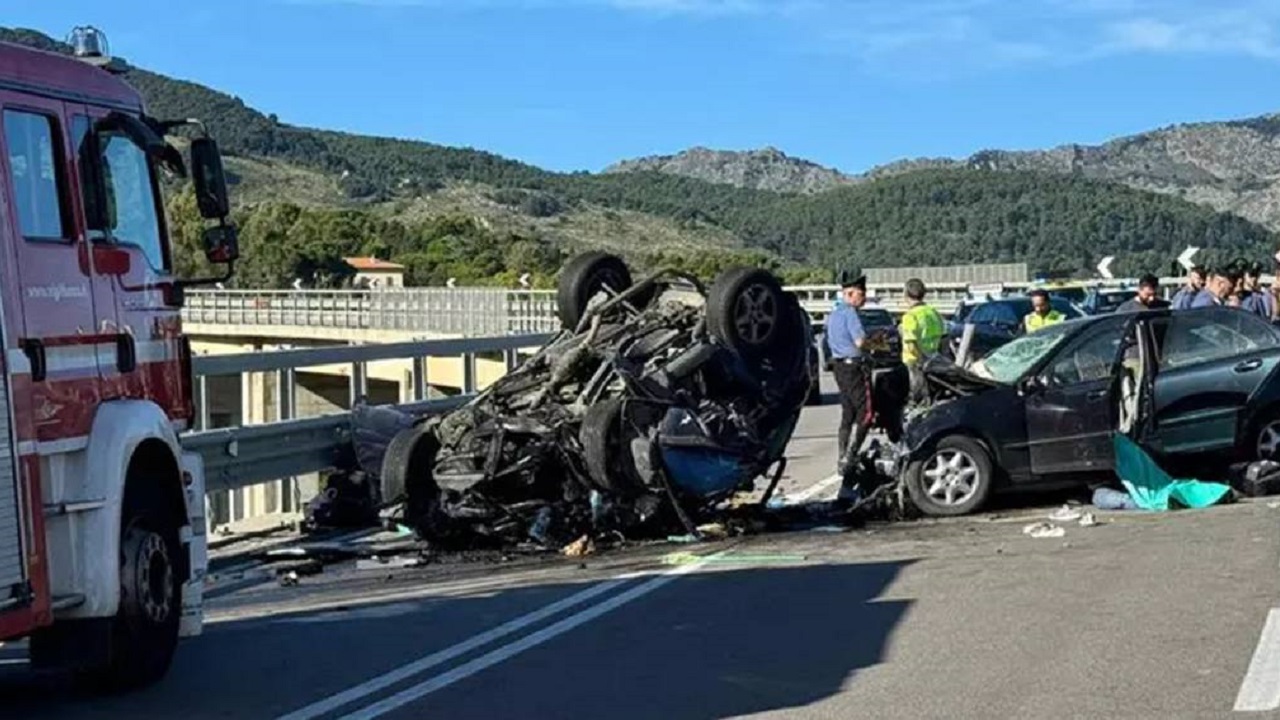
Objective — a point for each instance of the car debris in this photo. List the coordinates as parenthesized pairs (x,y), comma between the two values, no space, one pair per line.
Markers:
(655,404)
(1044,530)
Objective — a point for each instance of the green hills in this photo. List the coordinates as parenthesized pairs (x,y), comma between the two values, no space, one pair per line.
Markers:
(308,197)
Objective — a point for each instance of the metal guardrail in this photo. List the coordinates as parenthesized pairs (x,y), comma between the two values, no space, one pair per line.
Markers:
(472,312)
(237,457)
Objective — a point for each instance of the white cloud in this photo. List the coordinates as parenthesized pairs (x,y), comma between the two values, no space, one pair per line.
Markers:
(960,35)
(941,38)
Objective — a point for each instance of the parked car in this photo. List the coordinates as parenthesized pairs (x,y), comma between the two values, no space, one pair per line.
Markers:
(1100,301)
(998,321)
(1041,410)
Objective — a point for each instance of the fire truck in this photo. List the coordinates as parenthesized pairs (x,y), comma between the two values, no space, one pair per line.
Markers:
(102,530)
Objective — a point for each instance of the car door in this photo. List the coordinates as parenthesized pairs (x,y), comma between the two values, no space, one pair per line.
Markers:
(1072,409)
(1209,363)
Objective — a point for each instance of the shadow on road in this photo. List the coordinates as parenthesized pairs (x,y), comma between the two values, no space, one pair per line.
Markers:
(720,643)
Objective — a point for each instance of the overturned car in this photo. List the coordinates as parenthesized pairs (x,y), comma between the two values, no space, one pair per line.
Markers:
(657,400)
(1193,387)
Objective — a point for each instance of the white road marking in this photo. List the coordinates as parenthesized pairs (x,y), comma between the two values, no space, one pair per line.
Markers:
(405,672)
(505,652)
(377,612)
(1261,687)
(812,491)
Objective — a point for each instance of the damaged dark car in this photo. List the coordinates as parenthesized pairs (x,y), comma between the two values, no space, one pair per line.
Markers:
(1041,411)
(658,401)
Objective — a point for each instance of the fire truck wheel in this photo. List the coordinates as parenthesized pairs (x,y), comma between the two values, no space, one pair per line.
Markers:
(145,630)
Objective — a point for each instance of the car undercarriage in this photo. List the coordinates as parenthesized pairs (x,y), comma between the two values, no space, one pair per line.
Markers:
(656,403)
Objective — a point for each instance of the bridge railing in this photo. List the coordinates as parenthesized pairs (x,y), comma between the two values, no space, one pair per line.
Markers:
(478,311)
(236,458)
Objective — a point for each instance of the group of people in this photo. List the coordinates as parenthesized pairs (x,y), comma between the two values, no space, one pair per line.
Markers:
(923,331)
(1233,286)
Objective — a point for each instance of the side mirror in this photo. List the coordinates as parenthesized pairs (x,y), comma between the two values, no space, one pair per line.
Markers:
(209,180)
(221,244)
(1032,384)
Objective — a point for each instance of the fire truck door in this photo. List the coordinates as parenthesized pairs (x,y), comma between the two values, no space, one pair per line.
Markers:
(101,257)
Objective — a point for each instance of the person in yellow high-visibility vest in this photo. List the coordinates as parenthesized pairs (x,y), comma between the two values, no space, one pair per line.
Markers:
(923,330)
(1042,313)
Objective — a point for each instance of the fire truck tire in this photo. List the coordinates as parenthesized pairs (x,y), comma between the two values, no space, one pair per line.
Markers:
(144,632)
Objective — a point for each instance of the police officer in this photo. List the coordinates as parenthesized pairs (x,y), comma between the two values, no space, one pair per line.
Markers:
(845,337)
(1042,313)
(1253,298)
(1194,286)
(922,331)
(1217,291)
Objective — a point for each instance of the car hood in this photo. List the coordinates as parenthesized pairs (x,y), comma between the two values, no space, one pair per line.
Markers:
(953,379)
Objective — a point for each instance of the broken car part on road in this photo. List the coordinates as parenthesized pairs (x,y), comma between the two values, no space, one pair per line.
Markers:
(657,401)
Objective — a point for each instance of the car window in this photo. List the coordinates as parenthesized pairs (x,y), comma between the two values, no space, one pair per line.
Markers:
(876,318)
(1006,313)
(1088,359)
(1192,338)
(981,315)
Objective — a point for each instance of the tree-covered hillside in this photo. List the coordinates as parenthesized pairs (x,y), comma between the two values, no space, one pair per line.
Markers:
(1056,223)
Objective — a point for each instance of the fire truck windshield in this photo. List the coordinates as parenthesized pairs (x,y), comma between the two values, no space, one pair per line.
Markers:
(133,199)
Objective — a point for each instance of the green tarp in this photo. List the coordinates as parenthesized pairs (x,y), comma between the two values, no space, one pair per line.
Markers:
(1154,489)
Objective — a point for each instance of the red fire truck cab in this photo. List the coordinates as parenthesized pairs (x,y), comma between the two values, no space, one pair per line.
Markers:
(102,530)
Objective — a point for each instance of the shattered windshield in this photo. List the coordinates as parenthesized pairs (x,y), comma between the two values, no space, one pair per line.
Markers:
(1008,362)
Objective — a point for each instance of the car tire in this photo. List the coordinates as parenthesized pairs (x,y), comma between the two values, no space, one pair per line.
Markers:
(585,276)
(928,483)
(748,311)
(607,456)
(1264,433)
(408,471)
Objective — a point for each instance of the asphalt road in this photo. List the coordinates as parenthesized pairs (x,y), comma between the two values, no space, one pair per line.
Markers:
(1145,615)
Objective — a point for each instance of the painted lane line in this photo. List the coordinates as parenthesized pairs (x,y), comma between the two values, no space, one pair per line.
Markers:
(510,650)
(813,491)
(405,672)
(1261,687)
(269,608)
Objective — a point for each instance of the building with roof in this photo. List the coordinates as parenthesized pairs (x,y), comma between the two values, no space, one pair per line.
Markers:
(372,272)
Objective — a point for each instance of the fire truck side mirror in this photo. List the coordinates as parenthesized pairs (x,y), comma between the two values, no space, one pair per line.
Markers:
(221,244)
(209,180)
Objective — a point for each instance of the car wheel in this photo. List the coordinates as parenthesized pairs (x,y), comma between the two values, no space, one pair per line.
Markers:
(1266,440)
(606,447)
(583,278)
(407,471)
(747,310)
(953,479)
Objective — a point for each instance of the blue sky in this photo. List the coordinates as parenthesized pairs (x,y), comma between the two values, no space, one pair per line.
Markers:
(578,84)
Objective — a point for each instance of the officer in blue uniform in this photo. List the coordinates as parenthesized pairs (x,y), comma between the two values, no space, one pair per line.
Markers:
(845,337)
(1253,298)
